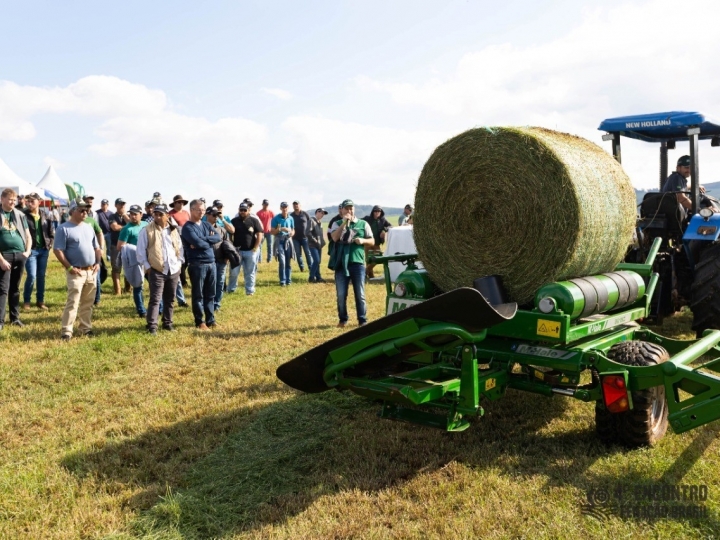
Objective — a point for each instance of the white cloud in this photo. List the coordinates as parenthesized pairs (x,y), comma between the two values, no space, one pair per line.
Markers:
(618,61)
(170,133)
(278,93)
(362,161)
(137,119)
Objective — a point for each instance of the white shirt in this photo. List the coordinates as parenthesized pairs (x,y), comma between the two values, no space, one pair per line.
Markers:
(171,263)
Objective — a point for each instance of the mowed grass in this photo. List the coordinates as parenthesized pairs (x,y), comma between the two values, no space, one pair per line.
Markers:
(190,435)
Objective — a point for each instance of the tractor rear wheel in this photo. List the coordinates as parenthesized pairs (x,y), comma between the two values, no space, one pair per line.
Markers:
(647,422)
(705,302)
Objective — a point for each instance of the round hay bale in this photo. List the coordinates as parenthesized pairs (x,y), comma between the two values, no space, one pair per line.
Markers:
(529,204)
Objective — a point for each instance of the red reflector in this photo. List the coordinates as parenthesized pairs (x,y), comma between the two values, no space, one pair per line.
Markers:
(615,393)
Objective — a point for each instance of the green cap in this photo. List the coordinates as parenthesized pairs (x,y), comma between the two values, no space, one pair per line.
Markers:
(347,202)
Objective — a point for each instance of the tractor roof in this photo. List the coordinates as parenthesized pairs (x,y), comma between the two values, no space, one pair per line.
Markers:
(658,127)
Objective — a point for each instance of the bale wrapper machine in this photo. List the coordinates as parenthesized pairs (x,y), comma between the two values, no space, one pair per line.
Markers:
(435,357)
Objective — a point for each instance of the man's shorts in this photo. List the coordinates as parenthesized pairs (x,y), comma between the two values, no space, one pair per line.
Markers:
(115,261)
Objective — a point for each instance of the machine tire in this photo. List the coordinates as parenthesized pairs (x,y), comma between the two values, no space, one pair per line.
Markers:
(705,303)
(647,422)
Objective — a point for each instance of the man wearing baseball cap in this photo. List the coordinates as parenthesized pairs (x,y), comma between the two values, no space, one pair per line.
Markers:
(180,216)
(89,199)
(247,239)
(678,181)
(78,250)
(283,227)
(402,220)
(102,216)
(223,220)
(159,251)
(117,221)
(302,229)
(316,241)
(265,216)
(128,255)
(348,260)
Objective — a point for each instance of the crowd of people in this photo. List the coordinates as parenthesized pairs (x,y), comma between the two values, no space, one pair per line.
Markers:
(169,247)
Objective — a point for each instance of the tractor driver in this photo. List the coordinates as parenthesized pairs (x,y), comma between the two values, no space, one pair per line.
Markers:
(678,181)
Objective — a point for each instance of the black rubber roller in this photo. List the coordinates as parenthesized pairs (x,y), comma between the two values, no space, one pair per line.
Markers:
(590,296)
(627,287)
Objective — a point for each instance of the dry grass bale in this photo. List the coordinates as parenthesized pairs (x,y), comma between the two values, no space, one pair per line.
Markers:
(530,204)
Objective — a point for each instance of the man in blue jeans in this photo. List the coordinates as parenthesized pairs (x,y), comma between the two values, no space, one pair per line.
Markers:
(282,228)
(302,228)
(247,239)
(42,234)
(129,235)
(197,238)
(212,217)
(316,239)
(350,235)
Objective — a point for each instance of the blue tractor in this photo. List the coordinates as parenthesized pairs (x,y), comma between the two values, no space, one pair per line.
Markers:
(689,259)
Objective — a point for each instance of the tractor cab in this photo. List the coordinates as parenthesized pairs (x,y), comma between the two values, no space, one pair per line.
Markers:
(689,237)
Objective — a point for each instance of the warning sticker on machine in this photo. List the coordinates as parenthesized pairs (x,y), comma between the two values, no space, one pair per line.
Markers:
(548,328)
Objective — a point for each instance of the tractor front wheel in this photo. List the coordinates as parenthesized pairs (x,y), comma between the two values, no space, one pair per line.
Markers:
(647,422)
(705,303)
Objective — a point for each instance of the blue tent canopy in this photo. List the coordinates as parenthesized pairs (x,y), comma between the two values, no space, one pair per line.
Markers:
(658,127)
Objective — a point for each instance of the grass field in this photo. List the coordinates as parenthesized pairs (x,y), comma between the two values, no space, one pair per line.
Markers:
(190,435)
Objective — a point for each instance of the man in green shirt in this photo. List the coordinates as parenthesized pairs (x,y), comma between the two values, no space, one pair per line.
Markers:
(42,233)
(129,235)
(350,235)
(15,246)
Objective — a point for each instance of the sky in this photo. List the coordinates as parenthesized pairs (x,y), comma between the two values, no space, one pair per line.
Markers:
(319,101)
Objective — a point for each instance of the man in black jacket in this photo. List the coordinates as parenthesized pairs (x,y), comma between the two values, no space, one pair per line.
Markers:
(379,226)
(42,234)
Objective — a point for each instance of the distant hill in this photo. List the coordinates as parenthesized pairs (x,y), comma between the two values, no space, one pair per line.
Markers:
(712,189)
(362,210)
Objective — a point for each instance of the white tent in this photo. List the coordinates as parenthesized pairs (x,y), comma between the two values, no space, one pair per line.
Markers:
(52,187)
(8,179)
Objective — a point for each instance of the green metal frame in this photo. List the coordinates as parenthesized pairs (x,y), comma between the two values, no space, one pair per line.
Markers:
(454,376)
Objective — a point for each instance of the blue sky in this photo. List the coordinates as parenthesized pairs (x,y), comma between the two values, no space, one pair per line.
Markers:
(321,100)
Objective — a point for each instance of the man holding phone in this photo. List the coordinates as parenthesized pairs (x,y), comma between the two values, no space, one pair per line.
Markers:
(350,235)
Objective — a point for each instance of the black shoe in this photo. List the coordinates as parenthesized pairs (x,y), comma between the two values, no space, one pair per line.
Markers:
(142,315)
(66,337)
(168,327)
(89,333)
(320,280)
(17,322)
(183,304)
(152,331)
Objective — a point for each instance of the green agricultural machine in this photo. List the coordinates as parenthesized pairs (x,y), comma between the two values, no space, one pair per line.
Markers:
(435,357)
